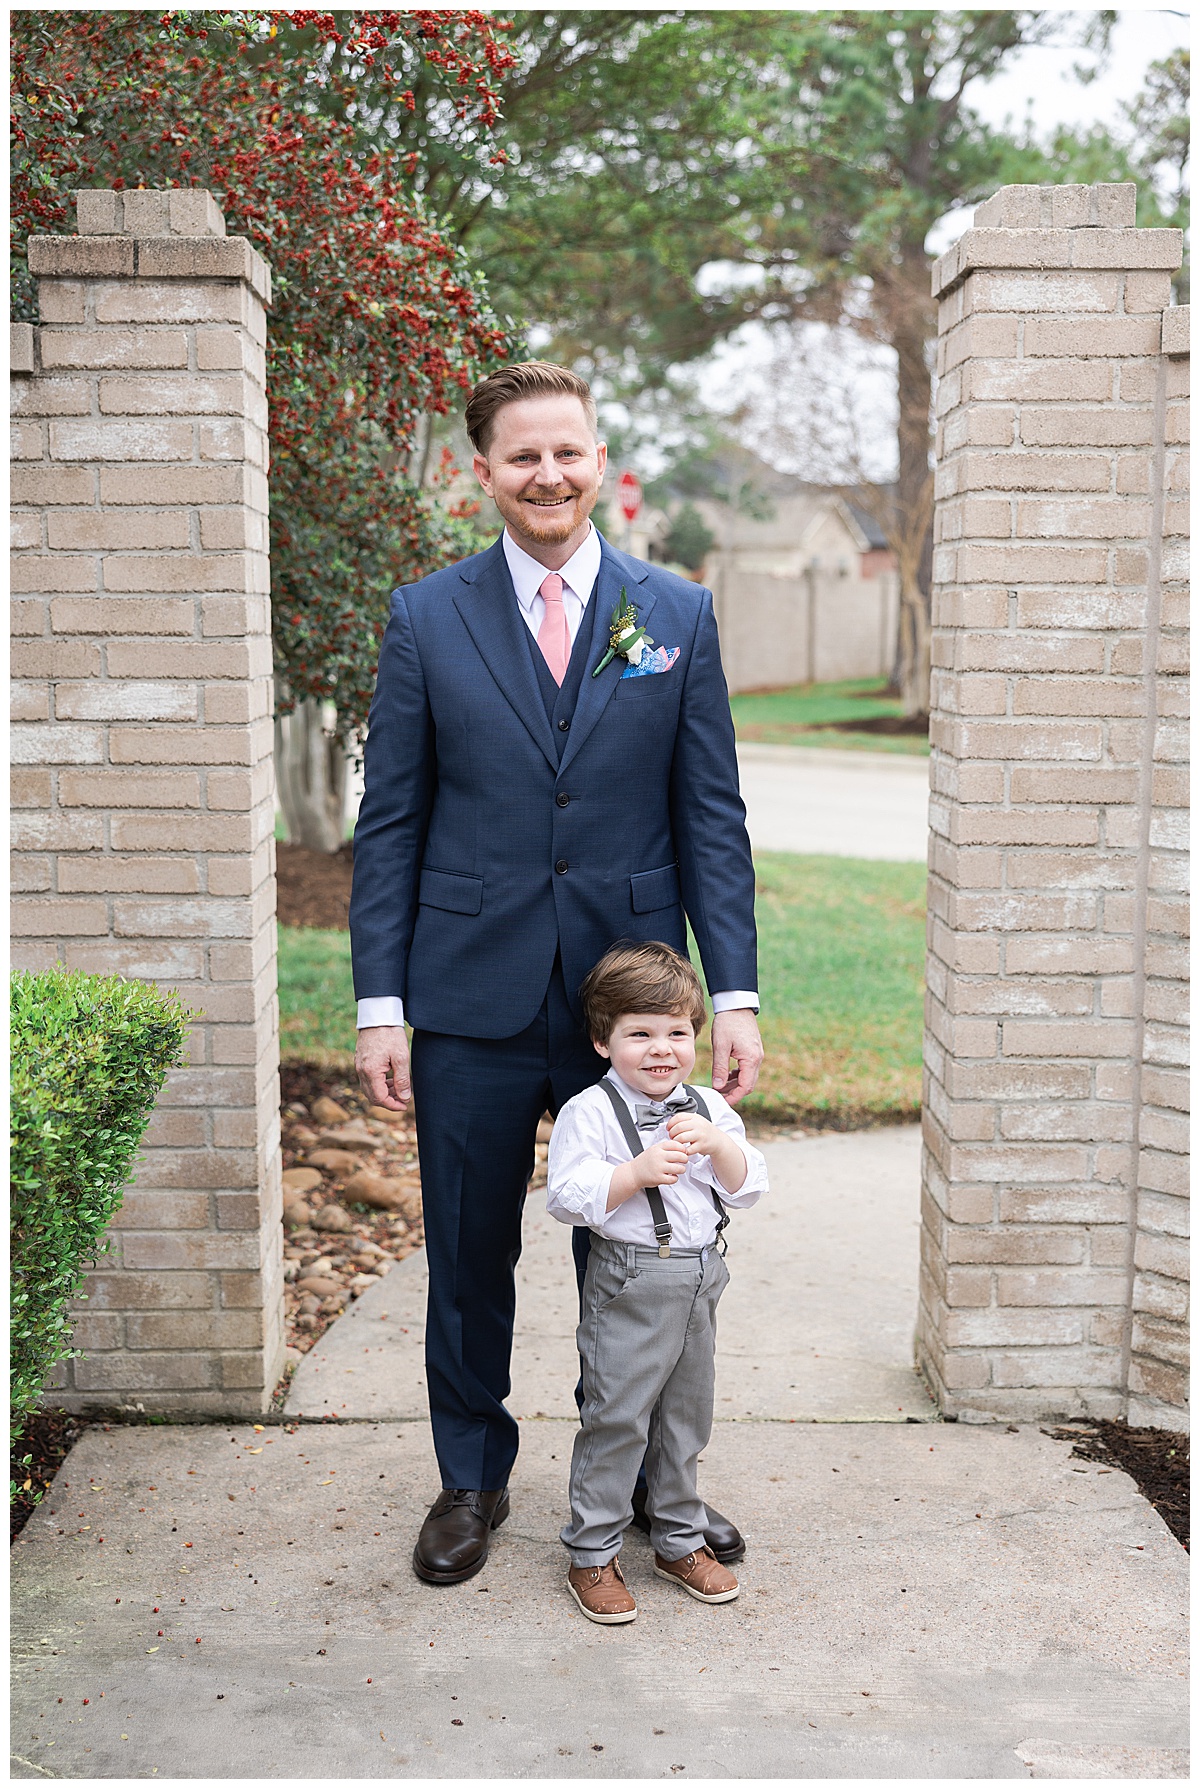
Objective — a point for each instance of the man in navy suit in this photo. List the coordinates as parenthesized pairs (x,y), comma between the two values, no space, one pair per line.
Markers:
(520,815)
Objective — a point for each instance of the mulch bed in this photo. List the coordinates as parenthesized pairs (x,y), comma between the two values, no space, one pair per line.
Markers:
(1156,1460)
(314,886)
(49,1438)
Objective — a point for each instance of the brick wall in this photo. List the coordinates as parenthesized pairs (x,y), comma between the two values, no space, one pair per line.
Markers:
(1052,1272)
(1158,1337)
(143,802)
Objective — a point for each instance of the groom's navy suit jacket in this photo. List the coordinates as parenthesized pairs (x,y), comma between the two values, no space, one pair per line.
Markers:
(492,837)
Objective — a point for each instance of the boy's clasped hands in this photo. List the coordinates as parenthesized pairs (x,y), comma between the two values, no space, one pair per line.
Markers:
(689,1134)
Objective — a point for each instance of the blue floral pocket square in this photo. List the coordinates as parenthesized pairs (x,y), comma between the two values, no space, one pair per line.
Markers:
(653,662)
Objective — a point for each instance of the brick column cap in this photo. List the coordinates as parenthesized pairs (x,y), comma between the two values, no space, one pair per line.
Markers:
(1026,227)
(141,211)
(151,257)
(1108,205)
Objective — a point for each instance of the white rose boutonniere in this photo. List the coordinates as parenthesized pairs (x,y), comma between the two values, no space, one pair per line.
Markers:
(625,638)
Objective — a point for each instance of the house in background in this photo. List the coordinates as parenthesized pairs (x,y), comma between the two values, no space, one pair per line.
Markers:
(804,583)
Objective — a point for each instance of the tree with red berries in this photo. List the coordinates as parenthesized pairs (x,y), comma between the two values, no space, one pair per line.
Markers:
(376,322)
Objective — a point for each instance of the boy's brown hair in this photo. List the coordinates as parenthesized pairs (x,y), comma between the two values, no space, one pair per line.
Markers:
(639,978)
(525,379)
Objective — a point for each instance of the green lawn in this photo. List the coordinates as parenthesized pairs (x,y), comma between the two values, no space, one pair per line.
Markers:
(803,713)
(316,995)
(841,946)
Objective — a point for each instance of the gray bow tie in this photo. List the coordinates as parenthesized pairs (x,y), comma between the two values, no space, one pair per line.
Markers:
(650,1117)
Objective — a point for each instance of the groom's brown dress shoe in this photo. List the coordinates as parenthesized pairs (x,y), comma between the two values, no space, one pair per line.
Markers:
(720,1535)
(454,1537)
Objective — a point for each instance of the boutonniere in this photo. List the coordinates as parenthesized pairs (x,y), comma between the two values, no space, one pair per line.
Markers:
(625,638)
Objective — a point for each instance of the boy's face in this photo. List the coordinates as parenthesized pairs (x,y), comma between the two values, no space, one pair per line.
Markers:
(652,1052)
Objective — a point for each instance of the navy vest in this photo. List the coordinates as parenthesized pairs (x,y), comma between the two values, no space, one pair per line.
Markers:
(560,701)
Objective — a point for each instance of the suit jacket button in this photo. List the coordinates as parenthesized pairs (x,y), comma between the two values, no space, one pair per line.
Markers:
(561,866)
(563,799)
(564,726)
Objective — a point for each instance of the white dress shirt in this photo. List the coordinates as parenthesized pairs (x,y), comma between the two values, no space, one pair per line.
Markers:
(586,1145)
(579,576)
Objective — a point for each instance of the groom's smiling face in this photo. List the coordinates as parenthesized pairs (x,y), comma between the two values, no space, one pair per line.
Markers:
(542,469)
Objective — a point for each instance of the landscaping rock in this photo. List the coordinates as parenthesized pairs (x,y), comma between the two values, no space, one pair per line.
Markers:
(333,1217)
(350,1136)
(385,1116)
(327,1111)
(335,1161)
(378,1191)
(300,1180)
(318,1285)
(296,1212)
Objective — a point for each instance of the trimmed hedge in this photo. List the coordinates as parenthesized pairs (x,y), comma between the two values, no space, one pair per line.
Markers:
(89,1056)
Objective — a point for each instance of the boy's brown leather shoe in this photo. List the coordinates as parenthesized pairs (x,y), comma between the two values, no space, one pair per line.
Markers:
(719,1532)
(602,1593)
(701,1574)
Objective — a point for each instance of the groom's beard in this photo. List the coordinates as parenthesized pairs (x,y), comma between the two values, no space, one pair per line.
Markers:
(559,524)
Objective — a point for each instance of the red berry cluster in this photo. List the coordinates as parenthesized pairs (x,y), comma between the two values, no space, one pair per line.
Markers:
(376,321)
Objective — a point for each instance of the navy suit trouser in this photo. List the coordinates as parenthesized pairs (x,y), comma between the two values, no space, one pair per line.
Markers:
(478,1104)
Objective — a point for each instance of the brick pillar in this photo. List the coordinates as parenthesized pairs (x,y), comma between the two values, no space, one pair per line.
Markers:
(144,795)
(1054,890)
(1158,1336)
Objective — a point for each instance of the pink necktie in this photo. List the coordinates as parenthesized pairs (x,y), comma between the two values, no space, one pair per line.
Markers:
(553,637)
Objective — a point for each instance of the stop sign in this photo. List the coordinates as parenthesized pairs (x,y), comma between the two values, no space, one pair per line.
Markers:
(629,495)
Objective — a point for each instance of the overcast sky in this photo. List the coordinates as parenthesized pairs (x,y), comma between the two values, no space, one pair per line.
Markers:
(1039,83)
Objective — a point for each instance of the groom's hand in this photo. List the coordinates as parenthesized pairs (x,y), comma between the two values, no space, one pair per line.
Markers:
(382,1057)
(737,1053)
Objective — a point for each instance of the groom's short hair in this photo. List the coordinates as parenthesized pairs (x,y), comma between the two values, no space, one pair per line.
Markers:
(525,379)
(639,978)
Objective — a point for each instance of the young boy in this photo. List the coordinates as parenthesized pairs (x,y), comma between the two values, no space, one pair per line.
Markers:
(649,1168)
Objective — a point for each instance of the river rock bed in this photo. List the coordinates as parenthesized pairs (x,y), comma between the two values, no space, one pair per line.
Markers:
(351,1196)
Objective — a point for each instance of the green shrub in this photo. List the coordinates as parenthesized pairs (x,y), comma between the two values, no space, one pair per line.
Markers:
(690,539)
(89,1055)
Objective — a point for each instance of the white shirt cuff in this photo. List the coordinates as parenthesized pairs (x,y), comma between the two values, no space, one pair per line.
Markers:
(729,1001)
(381,1009)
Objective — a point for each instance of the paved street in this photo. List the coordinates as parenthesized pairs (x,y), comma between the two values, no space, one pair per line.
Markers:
(830,803)
(919,1599)
(838,804)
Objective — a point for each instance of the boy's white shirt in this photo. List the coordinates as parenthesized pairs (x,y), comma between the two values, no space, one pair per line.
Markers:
(587,1144)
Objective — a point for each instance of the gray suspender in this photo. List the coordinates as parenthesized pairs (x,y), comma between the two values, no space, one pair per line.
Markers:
(654,1198)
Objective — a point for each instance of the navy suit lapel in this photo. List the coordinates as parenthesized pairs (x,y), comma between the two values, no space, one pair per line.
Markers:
(489,608)
(597,692)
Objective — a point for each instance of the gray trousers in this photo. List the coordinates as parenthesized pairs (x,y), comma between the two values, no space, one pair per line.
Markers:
(647,1342)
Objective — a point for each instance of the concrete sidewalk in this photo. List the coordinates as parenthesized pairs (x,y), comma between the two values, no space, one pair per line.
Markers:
(837,804)
(919,1600)
(843,1211)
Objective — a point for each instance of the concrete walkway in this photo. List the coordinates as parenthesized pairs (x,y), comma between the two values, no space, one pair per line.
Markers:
(842,1211)
(837,804)
(919,1600)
